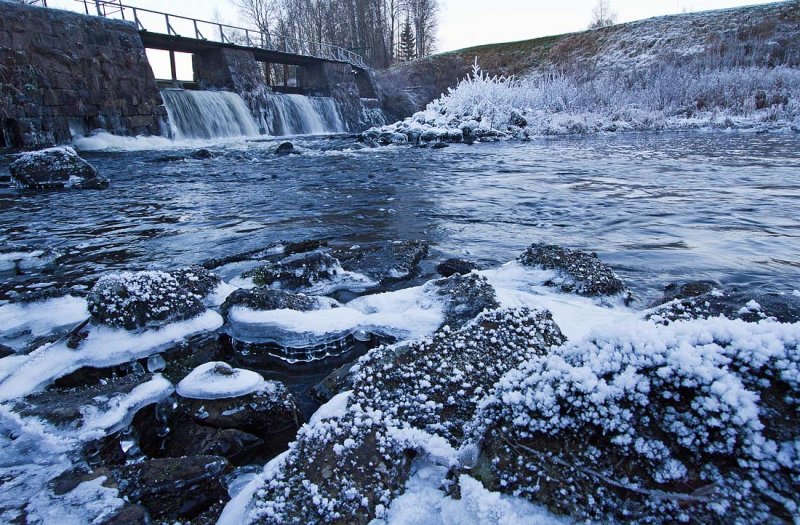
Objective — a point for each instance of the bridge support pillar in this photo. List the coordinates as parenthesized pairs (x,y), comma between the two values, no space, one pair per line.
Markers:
(230,69)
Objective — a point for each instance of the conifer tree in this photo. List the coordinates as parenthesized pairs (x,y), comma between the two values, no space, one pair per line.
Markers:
(407,42)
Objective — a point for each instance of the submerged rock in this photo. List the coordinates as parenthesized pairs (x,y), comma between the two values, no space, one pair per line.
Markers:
(580,272)
(403,397)
(386,263)
(173,488)
(704,299)
(142,299)
(55,168)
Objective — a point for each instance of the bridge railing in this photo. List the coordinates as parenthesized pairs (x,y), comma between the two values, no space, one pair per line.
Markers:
(183,26)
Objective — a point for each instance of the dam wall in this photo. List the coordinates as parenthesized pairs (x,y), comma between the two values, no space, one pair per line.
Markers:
(62,71)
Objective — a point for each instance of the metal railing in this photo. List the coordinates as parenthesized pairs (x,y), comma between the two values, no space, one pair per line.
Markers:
(182,26)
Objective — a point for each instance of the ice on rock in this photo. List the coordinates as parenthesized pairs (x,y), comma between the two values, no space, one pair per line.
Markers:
(156,363)
(22,322)
(218,380)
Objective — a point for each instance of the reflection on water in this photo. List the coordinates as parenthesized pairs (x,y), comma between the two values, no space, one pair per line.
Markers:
(658,207)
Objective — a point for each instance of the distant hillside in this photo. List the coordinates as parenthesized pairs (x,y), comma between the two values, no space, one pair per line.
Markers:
(765,35)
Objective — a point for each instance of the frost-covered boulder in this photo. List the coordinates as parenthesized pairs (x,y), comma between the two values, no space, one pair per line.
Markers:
(693,422)
(264,298)
(196,280)
(134,300)
(296,272)
(407,400)
(704,299)
(578,272)
(465,297)
(55,168)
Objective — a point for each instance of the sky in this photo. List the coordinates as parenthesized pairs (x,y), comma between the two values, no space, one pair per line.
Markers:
(463,23)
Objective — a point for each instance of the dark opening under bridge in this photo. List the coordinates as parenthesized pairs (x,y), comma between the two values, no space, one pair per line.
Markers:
(176,33)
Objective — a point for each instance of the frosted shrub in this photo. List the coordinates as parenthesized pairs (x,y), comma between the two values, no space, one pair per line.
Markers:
(695,422)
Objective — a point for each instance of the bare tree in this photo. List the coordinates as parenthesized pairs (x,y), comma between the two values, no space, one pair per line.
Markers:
(602,15)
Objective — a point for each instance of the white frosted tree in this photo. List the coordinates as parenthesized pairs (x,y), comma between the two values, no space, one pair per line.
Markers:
(602,15)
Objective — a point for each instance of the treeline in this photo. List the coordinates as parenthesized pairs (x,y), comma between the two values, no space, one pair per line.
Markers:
(382,31)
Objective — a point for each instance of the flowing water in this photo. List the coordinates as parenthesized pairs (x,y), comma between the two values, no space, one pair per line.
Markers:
(657,207)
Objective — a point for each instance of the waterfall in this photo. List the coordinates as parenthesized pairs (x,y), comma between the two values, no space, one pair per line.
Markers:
(207,114)
(301,115)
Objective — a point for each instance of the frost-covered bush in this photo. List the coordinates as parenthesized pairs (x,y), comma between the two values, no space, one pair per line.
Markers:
(134,300)
(694,422)
(665,96)
(407,400)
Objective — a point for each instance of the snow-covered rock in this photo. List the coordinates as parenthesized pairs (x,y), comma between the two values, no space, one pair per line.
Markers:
(55,168)
(218,380)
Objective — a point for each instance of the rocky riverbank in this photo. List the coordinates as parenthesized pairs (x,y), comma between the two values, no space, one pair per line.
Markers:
(161,395)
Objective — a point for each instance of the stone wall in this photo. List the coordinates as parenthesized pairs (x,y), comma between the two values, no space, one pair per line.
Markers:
(62,70)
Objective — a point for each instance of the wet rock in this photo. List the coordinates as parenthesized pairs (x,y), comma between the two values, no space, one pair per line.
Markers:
(191,439)
(455,267)
(440,145)
(196,280)
(202,154)
(286,148)
(266,413)
(465,297)
(6,351)
(36,296)
(579,272)
(65,407)
(282,248)
(68,480)
(432,386)
(55,168)
(704,299)
(386,262)
(173,488)
(142,299)
(129,514)
(391,138)
(263,298)
(296,272)
(338,381)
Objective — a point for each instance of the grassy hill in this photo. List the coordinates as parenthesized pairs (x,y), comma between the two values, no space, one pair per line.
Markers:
(765,35)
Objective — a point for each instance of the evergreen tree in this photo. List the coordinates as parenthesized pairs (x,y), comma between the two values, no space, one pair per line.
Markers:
(408,43)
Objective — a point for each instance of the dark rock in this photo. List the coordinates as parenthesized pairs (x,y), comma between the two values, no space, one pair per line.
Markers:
(386,262)
(6,351)
(172,488)
(455,267)
(129,514)
(267,413)
(55,168)
(36,296)
(68,480)
(517,119)
(411,386)
(144,299)
(286,148)
(582,273)
(263,298)
(281,247)
(202,154)
(338,381)
(440,145)
(196,280)
(190,439)
(296,271)
(703,299)
(465,297)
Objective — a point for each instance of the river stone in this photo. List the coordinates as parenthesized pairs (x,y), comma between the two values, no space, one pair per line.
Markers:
(455,266)
(196,280)
(141,300)
(296,272)
(465,297)
(386,262)
(286,148)
(190,439)
(55,168)
(704,299)
(438,383)
(338,381)
(264,298)
(283,248)
(173,488)
(268,412)
(582,273)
